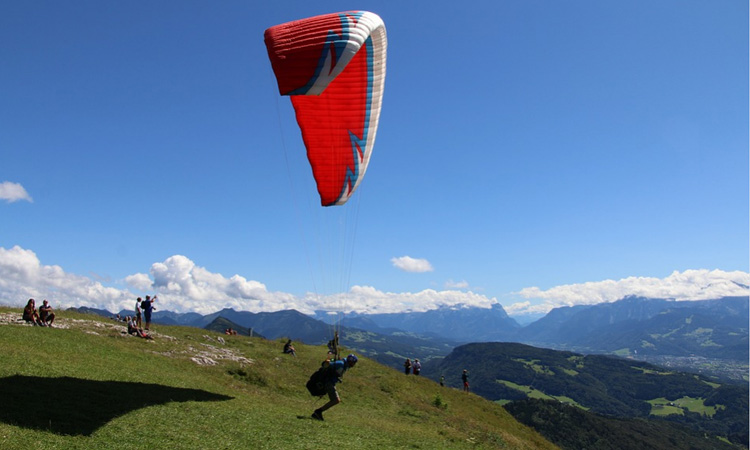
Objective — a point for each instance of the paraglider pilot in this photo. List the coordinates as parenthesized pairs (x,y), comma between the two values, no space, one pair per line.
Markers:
(335,371)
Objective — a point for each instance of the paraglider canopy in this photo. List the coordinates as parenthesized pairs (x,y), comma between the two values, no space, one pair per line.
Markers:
(333,67)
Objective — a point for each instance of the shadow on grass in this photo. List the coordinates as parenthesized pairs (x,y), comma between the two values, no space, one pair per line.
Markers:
(74,406)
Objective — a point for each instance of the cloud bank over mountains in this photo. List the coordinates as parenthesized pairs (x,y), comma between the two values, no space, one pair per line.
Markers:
(688,285)
(183,286)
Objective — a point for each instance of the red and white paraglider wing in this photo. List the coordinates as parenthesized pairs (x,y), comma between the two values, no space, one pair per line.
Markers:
(333,67)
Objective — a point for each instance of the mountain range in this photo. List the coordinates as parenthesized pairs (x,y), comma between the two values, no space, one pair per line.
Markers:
(554,374)
(638,327)
(456,323)
(715,328)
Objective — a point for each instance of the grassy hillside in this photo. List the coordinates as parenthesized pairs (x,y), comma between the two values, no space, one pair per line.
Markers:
(85,384)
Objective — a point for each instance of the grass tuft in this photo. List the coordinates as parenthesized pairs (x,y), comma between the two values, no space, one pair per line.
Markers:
(248,377)
(439,403)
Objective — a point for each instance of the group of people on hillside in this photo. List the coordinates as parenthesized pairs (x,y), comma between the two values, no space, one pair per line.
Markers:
(464,380)
(337,368)
(412,367)
(143,310)
(43,317)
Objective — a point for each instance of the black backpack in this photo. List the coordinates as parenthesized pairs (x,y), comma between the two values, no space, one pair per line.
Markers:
(317,382)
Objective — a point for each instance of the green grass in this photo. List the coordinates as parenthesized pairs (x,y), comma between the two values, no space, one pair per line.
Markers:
(713,385)
(535,366)
(578,360)
(651,372)
(534,393)
(92,387)
(664,407)
(659,409)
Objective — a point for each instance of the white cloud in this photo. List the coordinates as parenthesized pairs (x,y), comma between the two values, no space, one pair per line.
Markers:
(409,264)
(183,286)
(450,284)
(698,284)
(179,283)
(22,276)
(518,308)
(13,192)
(140,282)
(367,299)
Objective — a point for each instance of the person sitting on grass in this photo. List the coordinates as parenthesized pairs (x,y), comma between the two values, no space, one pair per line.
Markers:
(132,327)
(289,348)
(135,331)
(46,316)
(30,314)
(335,371)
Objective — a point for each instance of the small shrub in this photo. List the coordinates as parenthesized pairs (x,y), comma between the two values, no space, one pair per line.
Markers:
(438,402)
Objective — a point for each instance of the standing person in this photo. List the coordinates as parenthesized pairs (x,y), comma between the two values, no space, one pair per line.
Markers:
(138,322)
(30,314)
(465,379)
(336,370)
(407,366)
(416,367)
(442,380)
(148,307)
(46,316)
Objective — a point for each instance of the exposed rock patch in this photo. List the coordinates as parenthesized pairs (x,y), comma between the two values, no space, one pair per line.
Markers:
(208,355)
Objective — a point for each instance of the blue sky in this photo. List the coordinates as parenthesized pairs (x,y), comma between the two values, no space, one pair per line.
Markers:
(531,153)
